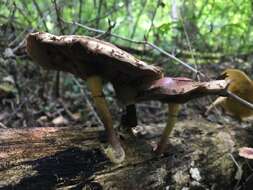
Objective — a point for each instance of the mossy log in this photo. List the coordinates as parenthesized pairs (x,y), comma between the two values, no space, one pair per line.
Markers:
(199,156)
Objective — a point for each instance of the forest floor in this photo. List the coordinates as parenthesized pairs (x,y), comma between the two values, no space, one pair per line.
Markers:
(32,101)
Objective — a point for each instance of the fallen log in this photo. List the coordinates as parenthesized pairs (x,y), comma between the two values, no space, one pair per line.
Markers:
(199,156)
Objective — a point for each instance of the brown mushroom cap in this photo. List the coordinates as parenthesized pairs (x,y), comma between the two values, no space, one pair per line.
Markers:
(180,89)
(85,56)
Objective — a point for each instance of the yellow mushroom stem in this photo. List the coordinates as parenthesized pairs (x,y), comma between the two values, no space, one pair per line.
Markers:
(96,87)
(172,119)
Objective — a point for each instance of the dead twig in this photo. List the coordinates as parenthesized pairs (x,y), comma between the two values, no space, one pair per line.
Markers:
(40,15)
(58,17)
(153,17)
(108,31)
(153,46)
(3,126)
(188,43)
(240,100)
(144,2)
(238,177)
(232,95)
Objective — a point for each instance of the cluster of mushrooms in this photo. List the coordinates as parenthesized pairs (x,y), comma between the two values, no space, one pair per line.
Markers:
(133,80)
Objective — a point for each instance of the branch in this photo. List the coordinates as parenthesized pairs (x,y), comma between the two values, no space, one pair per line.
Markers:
(138,18)
(108,31)
(230,94)
(25,16)
(58,17)
(106,15)
(153,17)
(98,12)
(40,14)
(188,41)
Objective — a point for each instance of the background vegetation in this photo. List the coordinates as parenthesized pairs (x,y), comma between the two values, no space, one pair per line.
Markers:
(208,26)
(184,37)
(198,32)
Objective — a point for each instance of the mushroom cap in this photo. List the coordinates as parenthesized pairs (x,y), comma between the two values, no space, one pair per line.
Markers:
(180,89)
(85,56)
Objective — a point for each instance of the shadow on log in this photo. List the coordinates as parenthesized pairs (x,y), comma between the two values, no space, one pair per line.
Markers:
(198,157)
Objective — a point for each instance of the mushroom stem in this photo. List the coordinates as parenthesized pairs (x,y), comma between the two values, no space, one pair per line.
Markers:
(172,118)
(95,85)
(129,118)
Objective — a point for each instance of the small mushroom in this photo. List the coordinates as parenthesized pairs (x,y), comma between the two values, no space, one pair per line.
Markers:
(133,80)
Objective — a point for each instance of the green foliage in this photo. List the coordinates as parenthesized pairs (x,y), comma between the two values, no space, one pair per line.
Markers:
(222,26)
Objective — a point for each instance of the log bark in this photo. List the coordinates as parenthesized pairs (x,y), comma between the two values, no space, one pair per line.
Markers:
(198,157)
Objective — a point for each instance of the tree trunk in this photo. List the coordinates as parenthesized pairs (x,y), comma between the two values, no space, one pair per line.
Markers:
(199,156)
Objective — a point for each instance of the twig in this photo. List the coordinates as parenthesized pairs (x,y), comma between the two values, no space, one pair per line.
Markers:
(40,14)
(20,45)
(21,34)
(240,100)
(138,18)
(248,179)
(239,170)
(176,59)
(79,17)
(127,4)
(108,32)
(237,98)
(188,42)
(24,7)
(98,12)
(12,13)
(24,16)
(139,42)
(153,18)
(106,15)
(3,125)
(58,17)
(80,10)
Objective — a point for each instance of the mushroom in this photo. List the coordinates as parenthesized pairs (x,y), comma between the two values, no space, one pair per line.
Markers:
(133,80)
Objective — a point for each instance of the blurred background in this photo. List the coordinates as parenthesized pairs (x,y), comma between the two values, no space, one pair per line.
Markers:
(208,35)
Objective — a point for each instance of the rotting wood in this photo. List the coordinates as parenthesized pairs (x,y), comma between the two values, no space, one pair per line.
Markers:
(71,158)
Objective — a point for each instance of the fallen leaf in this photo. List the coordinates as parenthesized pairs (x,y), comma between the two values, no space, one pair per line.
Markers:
(246,152)
(60,120)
